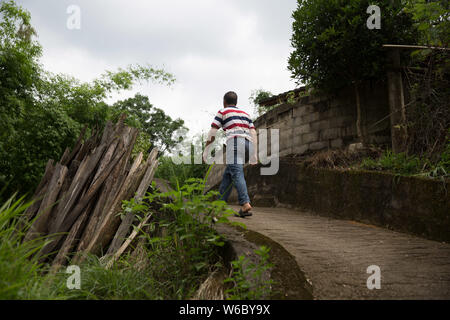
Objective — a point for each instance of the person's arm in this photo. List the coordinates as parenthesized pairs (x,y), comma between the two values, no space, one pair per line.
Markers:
(215,125)
(211,136)
(254,139)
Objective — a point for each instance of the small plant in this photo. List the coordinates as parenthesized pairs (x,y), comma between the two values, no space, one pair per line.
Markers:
(399,163)
(248,278)
(182,245)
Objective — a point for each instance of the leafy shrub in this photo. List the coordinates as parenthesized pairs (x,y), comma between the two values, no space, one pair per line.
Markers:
(396,162)
(248,278)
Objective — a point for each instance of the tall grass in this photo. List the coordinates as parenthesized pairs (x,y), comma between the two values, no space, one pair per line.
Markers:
(22,276)
(181,249)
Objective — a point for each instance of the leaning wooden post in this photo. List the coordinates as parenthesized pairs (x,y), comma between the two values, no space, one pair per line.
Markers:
(396,101)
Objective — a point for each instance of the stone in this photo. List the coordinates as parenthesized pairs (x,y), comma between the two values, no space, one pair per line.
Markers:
(320,125)
(304,128)
(337,143)
(318,145)
(315,116)
(310,137)
(301,149)
(355,146)
(330,133)
(303,110)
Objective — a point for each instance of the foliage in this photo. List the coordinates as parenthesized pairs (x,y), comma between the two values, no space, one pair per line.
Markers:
(19,67)
(182,244)
(402,164)
(157,126)
(395,162)
(42,113)
(333,46)
(256,97)
(120,282)
(428,117)
(178,174)
(248,278)
(20,271)
(181,249)
(432,20)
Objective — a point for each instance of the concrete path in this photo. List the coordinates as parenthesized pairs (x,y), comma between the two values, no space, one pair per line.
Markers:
(335,254)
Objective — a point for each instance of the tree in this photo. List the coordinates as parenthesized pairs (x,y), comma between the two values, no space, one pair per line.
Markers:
(256,97)
(333,47)
(42,113)
(19,68)
(154,122)
(432,19)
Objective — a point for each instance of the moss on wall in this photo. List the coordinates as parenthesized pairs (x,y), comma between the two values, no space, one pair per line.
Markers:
(414,205)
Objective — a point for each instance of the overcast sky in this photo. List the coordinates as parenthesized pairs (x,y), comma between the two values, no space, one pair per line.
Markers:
(211,46)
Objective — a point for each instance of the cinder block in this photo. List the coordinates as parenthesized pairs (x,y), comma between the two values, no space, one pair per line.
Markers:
(337,143)
(341,121)
(303,110)
(318,145)
(330,133)
(285,152)
(320,125)
(298,121)
(304,128)
(297,140)
(310,137)
(348,131)
(331,113)
(301,149)
(315,116)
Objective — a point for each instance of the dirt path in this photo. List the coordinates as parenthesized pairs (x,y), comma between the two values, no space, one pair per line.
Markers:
(335,255)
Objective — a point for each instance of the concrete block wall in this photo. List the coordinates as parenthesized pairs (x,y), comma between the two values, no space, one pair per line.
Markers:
(319,122)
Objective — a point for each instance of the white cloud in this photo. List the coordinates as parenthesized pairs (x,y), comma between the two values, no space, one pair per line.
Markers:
(211,46)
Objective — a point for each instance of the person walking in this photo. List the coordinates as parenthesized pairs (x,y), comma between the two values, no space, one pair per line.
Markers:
(241,142)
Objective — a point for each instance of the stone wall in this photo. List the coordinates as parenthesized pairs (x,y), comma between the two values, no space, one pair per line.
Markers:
(414,205)
(318,122)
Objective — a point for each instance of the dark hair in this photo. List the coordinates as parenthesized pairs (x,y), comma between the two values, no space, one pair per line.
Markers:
(230,98)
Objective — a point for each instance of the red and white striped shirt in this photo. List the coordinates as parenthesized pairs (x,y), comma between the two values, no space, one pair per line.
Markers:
(235,122)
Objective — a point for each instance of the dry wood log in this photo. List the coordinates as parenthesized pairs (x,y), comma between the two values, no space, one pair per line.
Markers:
(39,194)
(128,241)
(70,218)
(107,133)
(76,148)
(70,241)
(110,222)
(84,171)
(137,170)
(108,192)
(91,192)
(65,156)
(130,216)
(40,224)
(62,197)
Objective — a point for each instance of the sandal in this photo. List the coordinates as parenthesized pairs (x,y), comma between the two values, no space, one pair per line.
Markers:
(243,214)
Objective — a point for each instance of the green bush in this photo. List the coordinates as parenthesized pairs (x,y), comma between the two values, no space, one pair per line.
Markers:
(396,162)
(248,278)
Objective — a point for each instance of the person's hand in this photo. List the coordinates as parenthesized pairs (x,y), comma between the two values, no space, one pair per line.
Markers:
(253,160)
(205,153)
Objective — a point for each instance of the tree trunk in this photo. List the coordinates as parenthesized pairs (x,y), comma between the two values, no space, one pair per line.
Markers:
(359,131)
(396,103)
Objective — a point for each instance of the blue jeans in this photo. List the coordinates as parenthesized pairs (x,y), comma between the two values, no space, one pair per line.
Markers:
(237,154)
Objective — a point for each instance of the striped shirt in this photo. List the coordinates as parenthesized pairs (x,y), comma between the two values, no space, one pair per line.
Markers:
(235,122)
